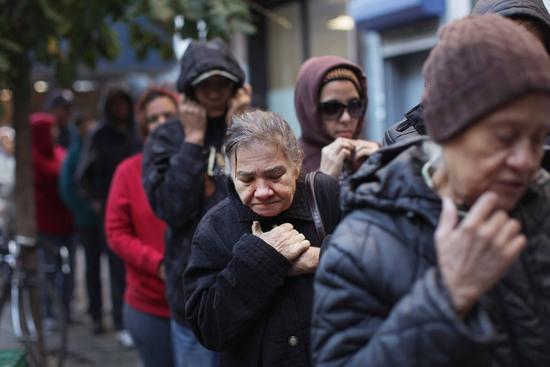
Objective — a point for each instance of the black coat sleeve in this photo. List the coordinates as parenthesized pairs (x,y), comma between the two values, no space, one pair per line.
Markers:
(173,175)
(228,286)
(356,320)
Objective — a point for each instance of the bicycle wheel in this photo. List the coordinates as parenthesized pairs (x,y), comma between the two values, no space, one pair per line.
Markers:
(5,284)
(44,338)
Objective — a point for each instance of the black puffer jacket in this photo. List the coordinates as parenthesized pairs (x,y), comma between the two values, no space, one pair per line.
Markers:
(379,298)
(240,300)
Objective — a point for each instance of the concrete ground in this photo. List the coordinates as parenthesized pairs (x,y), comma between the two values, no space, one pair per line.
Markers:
(84,348)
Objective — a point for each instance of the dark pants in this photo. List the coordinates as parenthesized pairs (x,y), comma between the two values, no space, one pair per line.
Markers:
(151,336)
(90,238)
(51,265)
(118,285)
(117,282)
(94,242)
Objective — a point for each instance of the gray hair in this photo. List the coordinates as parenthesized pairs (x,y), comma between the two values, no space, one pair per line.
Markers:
(266,128)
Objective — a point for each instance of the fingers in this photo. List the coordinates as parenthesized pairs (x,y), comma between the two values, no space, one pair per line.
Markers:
(447,219)
(364,148)
(508,231)
(247,88)
(484,206)
(191,107)
(514,247)
(256,228)
(297,249)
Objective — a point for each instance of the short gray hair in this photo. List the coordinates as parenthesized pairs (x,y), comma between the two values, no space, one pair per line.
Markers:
(266,128)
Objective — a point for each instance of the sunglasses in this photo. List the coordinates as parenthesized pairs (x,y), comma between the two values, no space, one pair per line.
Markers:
(333,110)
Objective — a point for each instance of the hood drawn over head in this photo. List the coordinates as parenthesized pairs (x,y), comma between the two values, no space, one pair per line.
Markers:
(112,95)
(530,9)
(41,133)
(202,57)
(306,97)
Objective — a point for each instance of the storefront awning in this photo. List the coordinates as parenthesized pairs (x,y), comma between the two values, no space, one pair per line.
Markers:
(382,14)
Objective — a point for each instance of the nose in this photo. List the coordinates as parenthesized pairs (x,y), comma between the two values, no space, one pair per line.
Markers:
(263,191)
(345,118)
(213,92)
(162,118)
(526,157)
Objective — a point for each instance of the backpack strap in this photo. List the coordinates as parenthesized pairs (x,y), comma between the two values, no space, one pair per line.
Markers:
(313,207)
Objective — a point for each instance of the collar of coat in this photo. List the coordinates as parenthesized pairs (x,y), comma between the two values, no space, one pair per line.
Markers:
(299,209)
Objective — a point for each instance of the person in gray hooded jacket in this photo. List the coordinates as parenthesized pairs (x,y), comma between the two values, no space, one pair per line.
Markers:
(531,14)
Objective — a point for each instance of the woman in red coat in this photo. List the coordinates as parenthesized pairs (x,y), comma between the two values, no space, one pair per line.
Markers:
(136,235)
(53,220)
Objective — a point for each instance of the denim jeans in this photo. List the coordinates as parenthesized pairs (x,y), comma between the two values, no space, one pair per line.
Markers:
(188,352)
(51,264)
(151,335)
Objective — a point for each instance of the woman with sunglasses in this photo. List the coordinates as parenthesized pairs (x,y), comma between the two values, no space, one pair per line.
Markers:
(331,101)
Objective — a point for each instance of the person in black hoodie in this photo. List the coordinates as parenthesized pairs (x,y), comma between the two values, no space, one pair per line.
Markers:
(531,14)
(181,170)
(114,140)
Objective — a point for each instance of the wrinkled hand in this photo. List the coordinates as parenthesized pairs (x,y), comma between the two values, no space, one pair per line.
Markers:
(284,239)
(239,102)
(193,120)
(334,155)
(306,263)
(474,255)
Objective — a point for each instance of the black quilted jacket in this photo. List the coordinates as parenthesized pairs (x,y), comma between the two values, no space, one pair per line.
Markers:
(379,299)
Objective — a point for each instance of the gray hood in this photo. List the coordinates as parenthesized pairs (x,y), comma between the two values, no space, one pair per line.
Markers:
(517,9)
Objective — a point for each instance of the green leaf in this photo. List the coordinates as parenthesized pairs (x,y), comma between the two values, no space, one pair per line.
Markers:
(11,46)
(4,63)
(50,12)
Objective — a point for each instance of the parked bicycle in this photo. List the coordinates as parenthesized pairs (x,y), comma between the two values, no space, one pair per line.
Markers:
(28,291)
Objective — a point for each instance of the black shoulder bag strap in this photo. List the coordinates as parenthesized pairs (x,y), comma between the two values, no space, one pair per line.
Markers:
(313,207)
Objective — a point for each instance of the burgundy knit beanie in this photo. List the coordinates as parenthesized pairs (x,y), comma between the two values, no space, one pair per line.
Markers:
(479,64)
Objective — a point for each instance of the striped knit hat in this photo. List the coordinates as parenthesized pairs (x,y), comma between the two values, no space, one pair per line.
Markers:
(480,64)
(341,73)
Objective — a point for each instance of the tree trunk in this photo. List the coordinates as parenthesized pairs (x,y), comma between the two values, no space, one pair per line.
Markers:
(25,223)
(25,218)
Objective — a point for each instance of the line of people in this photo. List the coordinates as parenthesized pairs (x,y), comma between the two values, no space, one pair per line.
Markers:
(244,246)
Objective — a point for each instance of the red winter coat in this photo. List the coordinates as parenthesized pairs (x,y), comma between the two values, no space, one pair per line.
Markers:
(52,217)
(136,235)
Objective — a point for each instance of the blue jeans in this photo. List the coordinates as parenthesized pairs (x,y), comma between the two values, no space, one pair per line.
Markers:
(188,352)
(151,336)
(51,264)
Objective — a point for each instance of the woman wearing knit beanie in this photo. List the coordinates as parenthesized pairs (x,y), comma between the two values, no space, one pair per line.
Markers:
(331,101)
(444,256)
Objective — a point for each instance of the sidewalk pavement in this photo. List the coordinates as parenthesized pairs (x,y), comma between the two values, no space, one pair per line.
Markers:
(84,348)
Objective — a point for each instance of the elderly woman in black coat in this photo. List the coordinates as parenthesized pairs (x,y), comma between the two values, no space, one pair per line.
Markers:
(444,259)
(249,281)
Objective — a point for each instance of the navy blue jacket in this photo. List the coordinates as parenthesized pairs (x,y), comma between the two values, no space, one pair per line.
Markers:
(379,297)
